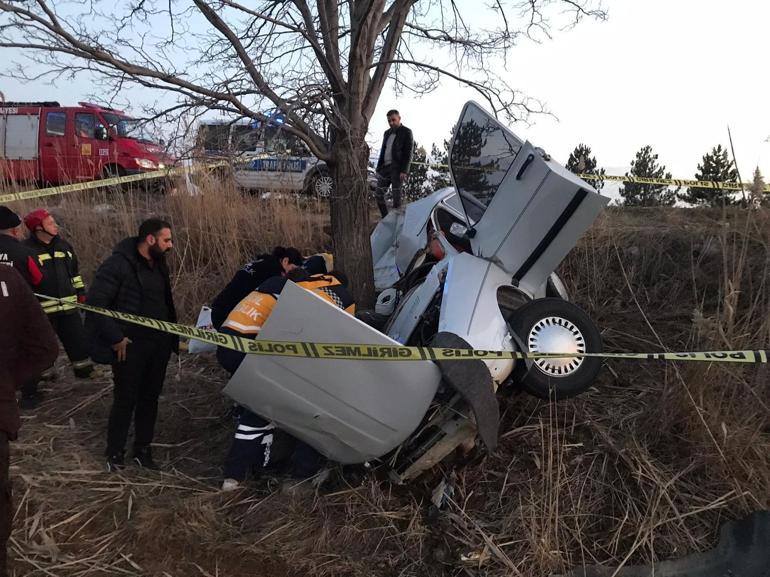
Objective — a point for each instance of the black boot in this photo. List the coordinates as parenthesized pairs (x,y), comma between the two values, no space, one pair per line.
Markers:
(83,369)
(115,462)
(30,399)
(143,458)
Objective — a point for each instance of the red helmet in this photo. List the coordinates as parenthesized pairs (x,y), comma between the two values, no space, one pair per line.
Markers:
(35,218)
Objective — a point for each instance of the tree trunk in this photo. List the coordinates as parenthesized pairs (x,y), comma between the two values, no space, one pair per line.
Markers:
(349,207)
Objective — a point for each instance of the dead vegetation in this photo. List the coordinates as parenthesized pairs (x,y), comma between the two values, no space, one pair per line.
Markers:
(646,466)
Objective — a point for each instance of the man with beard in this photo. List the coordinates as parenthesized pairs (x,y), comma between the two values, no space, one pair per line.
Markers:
(135,279)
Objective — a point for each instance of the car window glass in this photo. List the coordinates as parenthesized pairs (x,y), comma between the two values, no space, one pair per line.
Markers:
(482,153)
(55,123)
(85,125)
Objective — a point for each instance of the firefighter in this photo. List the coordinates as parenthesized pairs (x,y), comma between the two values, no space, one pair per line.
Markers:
(61,279)
(256,440)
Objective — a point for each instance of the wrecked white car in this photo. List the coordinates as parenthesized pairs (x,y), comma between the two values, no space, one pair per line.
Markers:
(466,267)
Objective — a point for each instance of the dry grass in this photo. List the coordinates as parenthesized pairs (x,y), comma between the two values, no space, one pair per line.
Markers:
(645,466)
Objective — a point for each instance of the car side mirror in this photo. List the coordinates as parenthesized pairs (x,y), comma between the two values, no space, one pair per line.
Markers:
(101,133)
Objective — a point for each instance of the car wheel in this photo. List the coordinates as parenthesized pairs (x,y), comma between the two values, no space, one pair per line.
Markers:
(321,185)
(552,325)
(112,171)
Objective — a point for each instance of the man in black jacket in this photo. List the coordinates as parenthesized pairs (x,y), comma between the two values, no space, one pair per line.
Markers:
(135,279)
(61,279)
(394,161)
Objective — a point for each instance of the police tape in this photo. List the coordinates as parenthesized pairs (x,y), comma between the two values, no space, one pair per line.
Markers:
(358,351)
(712,184)
(118,180)
(104,182)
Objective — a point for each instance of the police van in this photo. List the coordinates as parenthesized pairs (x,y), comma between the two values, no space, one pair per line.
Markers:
(265,156)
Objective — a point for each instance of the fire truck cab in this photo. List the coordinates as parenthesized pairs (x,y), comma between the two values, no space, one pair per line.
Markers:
(52,144)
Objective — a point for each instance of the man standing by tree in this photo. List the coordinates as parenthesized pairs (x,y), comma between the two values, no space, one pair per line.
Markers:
(394,161)
(26,349)
(61,279)
(135,279)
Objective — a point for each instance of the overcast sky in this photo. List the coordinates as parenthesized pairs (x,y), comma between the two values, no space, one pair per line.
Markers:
(669,73)
(672,74)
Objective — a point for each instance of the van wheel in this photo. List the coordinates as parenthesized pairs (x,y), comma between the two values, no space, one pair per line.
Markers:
(112,171)
(321,185)
(553,325)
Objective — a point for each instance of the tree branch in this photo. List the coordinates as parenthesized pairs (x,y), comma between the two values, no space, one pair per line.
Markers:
(301,128)
(398,19)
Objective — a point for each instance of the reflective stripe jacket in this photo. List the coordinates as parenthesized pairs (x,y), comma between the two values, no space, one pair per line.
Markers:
(61,276)
(252,312)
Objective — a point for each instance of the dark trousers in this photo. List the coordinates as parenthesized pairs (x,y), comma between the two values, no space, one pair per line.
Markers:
(138,382)
(69,328)
(388,176)
(6,504)
(257,445)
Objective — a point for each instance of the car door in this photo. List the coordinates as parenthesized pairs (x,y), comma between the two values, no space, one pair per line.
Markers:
(85,146)
(528,210)
(55,157)
(352,411)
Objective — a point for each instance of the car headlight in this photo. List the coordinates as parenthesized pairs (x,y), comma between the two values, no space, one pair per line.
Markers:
(145,163)
(161,166)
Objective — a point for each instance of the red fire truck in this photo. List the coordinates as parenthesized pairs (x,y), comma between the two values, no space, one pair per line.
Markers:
(52,144)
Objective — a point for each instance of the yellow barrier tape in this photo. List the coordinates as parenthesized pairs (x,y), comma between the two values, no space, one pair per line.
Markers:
(672,182)
(723,185)
(114,181)
(93,184)
(357,351)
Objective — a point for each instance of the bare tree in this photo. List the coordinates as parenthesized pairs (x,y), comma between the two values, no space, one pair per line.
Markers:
(323,64)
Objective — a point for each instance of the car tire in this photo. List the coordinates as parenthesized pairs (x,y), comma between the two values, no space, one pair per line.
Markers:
(113,171)
(320,185)
(544,325)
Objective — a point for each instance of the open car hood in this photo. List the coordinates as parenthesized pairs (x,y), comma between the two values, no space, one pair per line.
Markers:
(528,210)
(351,411)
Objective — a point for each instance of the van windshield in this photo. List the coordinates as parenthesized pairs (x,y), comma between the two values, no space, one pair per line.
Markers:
(126,127)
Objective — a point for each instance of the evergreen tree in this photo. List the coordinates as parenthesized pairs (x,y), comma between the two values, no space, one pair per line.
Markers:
(645,165)
(439,173)
(759,196)
(581,162)
(414,188)
(718,168)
